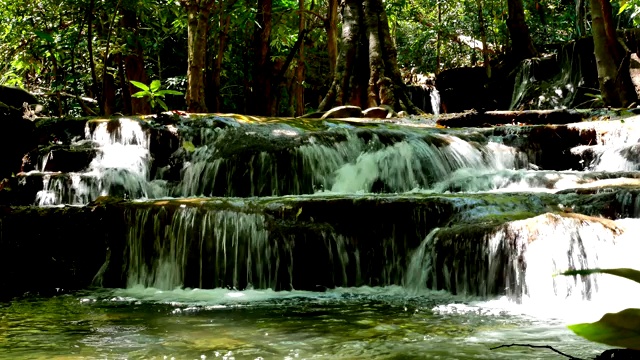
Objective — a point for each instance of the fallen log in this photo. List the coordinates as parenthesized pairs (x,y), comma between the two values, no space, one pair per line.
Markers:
(494,118)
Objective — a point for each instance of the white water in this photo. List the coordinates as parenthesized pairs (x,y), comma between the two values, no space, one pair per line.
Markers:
(526,255)
(120,168)
(233,248)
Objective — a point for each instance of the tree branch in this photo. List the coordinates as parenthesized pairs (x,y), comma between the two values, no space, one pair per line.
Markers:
(537,347)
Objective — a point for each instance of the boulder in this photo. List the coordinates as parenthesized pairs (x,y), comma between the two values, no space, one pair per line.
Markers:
(344,111)
(376,113)
(15,97)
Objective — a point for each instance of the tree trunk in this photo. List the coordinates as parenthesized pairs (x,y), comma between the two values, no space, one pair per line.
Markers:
(483,37)
(134,61)
(614,85)
(581,14)
(299,75)
(109,88)
(92,64)
(521,43)
(262,76)
(366,40)
(125,94)
(197,28)
(225,21)
(332,36)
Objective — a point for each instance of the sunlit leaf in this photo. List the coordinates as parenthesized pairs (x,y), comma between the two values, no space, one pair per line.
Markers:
(630,274)
(155,86)
(624,6)
(139,85)
(168,92)
(620,329)
(140,94)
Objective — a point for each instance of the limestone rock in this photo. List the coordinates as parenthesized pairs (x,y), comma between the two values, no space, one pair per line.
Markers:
(376,112)
(344,111)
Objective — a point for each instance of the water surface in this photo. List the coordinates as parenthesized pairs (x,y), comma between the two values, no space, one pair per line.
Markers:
(354,323)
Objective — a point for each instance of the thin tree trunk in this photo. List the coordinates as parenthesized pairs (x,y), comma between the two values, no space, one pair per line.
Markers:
(614,84)
(521,43)
(109,91)
(438,39)
(122,77)
(332,36)
(580,18)
(107,45)
(92,62)
(483,37)
(134,62)
(225,21)
(262,87)
(197,27)
(299,75)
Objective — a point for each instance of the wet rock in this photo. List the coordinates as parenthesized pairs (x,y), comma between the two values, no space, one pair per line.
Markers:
(44,249)
(16,139)
(375,113)
(345,111)
(619,354)
(16,97)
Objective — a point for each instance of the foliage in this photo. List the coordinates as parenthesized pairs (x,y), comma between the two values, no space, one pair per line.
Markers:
(617,329)
(72,48)
(153,93)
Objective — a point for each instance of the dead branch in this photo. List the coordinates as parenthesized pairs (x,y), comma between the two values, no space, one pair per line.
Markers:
(537,347)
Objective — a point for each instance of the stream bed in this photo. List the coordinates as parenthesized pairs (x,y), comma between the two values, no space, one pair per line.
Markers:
(344,323)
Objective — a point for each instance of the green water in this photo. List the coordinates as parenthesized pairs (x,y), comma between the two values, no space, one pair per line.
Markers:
(358,323)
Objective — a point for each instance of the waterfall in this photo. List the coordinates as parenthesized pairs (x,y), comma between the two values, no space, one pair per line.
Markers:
(616,149)
(205,249)
(520,258)
(120,168)
(337,161)
(435,101)
(557,82)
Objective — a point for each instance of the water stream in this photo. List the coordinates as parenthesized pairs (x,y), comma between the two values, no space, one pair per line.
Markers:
(232,250)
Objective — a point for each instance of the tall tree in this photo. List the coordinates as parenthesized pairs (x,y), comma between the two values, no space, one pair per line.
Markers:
(367,72)
(262,75)
(483,37)
(521,43)
(134,59)
(331,26)
(198,12)
(612,63)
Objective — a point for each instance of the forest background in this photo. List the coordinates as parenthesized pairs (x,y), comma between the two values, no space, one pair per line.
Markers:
(264,57)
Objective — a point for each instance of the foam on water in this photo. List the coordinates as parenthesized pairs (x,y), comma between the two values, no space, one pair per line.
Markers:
(523,256)
(120,168)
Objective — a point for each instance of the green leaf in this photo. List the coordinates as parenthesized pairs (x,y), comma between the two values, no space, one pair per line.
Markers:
(140,94)
(155,86)
(188,145)
(624,6)
(630,274)
(618,329)
(43,35)
(139,85)
(168,92)
(161,103)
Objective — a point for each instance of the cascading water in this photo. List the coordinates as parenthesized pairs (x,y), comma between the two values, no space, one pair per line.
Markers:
(559,82)
(385,161)
(121,167)
(394,228)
